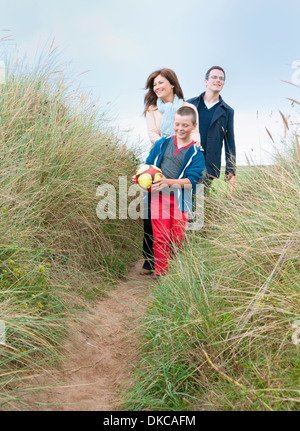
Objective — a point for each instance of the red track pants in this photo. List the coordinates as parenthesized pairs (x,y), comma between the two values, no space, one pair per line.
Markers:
(169,227)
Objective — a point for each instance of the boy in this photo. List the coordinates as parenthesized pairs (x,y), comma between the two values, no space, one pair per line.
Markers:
(182,165)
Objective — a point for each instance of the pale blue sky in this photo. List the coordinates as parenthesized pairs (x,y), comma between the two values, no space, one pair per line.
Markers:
(121,42)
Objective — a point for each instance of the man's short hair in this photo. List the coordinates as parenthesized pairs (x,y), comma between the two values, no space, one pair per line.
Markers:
(212,68)
(187,110)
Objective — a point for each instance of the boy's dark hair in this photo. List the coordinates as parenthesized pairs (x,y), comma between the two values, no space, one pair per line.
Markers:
(187,110)
(212,68)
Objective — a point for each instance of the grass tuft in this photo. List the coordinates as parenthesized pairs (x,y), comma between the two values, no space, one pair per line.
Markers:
(56,148)
(221,332)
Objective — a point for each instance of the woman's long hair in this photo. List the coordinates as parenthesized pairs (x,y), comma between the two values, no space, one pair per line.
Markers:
(150,97)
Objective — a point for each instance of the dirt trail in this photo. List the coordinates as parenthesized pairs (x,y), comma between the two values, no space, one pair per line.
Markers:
(101,352)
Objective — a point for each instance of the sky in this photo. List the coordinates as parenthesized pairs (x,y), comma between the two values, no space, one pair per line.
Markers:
(109,48)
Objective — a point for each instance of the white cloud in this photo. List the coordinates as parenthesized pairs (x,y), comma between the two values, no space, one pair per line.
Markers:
(252,138)
(95,35)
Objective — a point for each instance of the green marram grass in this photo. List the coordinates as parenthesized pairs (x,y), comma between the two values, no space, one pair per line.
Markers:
(56,148)
(221,330)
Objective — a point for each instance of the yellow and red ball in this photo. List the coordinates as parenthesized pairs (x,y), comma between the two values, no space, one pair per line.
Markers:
(145,176)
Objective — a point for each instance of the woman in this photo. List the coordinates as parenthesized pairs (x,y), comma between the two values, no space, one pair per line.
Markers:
(163,98)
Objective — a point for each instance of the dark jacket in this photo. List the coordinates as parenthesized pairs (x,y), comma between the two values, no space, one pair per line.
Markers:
(220,129)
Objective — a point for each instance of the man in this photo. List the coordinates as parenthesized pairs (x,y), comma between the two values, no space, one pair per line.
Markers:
(215,126)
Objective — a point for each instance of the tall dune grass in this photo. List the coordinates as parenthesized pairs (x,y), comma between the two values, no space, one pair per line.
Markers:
(221,333)
(56,148)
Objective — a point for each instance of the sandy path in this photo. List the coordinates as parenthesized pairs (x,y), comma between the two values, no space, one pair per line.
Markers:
(101,352)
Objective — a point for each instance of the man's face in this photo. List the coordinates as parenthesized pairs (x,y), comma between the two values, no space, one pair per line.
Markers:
(215,81)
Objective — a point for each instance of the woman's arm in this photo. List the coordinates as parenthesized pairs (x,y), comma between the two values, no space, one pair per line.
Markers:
(153,130)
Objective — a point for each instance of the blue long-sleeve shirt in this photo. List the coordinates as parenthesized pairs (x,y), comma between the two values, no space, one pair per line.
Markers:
(192,168)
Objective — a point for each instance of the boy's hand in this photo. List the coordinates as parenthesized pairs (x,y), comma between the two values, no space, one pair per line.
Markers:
(133,178)
(160,184)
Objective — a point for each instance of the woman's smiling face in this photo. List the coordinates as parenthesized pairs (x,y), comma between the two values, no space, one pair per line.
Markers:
(163,89)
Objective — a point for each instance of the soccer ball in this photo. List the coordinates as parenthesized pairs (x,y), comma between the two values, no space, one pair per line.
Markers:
(145,176)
